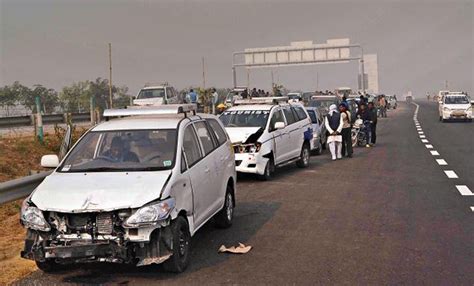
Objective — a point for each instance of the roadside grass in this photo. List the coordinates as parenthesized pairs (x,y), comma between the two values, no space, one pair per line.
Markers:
(19,156)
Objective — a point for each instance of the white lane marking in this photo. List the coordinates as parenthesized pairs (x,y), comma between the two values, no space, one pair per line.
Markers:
(420,132)
(472,209)
(429,146)
(464,190)
(451,174)
(441,162)
(424,141)
(422,136)
(434,153)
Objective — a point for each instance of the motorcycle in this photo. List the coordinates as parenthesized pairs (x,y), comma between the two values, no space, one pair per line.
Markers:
(359,133)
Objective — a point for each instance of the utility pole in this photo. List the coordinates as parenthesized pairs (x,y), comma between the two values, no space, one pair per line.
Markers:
(110,76)
(39,120)
(317,80)
(203,75)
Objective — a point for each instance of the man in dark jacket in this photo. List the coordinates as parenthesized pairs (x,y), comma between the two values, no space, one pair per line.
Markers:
(373,123)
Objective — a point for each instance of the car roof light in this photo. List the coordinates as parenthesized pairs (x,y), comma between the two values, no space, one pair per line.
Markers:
(155,110)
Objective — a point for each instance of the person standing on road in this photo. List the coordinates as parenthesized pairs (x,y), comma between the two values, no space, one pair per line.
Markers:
(373,123)
(192,96)
(346,130)
(383,106)
(215,100)
(333,123)
(363,114)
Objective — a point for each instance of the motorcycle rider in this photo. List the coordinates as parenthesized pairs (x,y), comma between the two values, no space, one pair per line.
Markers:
(363,113)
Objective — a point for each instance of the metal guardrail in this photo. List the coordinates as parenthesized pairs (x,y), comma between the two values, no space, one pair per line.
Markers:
(28,120)
(19,188)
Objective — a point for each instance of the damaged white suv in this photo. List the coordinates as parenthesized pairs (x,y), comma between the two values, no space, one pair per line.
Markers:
(133,190)
(266,134)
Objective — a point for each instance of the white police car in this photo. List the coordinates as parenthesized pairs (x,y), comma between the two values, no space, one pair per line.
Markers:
(266,134)
(133,190)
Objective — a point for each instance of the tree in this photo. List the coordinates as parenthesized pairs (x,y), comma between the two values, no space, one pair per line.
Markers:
(100,90)
(75,98)
(122,97)
(48,97)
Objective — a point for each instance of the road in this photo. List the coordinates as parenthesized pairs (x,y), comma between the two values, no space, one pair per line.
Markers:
(390,215)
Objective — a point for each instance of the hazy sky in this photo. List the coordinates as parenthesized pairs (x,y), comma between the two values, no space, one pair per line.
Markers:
(420,44)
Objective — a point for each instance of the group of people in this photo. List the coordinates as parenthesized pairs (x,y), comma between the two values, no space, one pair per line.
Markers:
(254,93)
(338,124)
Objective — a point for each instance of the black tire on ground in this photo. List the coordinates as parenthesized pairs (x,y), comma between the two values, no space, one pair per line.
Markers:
(49,266)
(443,120)
(440,118)
(224,217)
(268,173)
(303,162)
(324,145)
(178,262)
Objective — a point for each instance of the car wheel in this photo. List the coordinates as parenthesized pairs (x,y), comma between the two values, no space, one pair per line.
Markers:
(443,120)
(179,260)
(268,173)
(49,266)
(440,118)
(225,216)
(303,162)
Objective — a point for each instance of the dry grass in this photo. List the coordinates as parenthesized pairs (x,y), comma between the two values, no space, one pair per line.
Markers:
(18,156)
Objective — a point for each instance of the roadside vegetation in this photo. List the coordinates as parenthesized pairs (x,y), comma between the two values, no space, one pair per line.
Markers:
(19,156)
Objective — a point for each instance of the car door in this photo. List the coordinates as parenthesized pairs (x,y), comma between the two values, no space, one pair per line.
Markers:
(212,193)
(279,136)
(293,146)
(199,173)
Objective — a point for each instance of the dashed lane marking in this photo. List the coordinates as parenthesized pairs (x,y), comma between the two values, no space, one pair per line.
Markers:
(422,136)
(472,209)
(434,153)
(429,146)
(441,162)
(424,141)
(451,174)
(420,132)
(464,190)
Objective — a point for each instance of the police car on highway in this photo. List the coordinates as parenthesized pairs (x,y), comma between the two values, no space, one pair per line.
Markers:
(268,132)
(133,190)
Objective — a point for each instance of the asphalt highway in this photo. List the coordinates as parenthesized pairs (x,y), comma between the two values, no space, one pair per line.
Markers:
(389,215)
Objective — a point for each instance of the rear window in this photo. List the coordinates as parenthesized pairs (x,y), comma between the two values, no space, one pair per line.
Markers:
(313,117)
(218,131)
(290,118)
(300,113)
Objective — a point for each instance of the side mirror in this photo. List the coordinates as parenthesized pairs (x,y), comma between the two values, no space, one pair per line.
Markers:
(279,125)
(49,161)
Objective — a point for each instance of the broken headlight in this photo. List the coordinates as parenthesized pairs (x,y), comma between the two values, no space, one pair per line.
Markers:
(151,214)
(33,218)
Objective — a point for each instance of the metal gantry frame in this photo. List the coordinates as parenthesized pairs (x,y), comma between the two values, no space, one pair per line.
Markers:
(360,58)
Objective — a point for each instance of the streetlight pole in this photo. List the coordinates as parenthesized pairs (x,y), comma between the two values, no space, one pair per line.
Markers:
(110,76)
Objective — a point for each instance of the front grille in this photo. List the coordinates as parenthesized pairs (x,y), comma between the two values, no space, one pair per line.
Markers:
(104,223)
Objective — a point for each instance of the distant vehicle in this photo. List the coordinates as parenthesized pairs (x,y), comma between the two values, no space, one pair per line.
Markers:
(455,105)
(319,130)
(267,135)
(323,102)
(294,97)
(233,95)
(441,94)
(132,190)
(353,103)
(306,96)
(154,95)
(343,92)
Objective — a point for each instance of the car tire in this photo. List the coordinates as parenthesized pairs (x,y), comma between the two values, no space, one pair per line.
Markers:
(179,260)
(269,170)
(303,162)
(49,266)
(440,118)
(224,217)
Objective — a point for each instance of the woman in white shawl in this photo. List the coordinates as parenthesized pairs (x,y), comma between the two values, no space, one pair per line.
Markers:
(333,123)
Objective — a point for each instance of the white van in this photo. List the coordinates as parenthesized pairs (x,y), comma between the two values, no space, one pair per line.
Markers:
(154,95)
(267,135)
(132,191)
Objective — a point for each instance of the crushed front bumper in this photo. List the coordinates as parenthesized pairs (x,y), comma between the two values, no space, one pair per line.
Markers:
(253,163)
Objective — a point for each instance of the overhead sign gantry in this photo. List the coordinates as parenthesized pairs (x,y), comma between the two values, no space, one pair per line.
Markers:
(300,53)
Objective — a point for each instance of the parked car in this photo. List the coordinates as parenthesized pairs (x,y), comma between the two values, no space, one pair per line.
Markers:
(319,130)
(294,97)
(455,105)
(152,95)
(323,102)
(131,190)
(265,136)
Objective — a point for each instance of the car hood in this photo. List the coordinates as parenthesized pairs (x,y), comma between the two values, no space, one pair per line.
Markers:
(101,191)
(458,106)
(240,134)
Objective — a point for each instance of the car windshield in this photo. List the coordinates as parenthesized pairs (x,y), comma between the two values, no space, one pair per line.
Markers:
(151,93)
(312,115)
(123,150)
(245,118)
(456,100)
